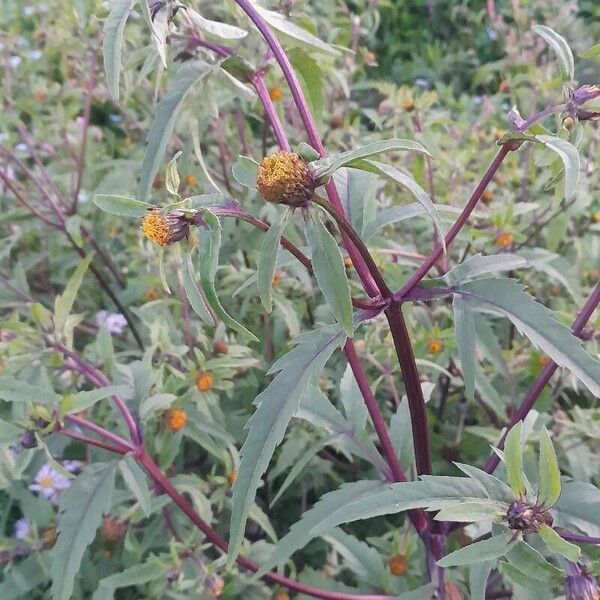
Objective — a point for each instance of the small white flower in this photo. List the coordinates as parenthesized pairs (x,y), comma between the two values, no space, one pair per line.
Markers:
(22,147)
(82,198)
(35,54)
(14,61)
(73,466)
(114,322)
(49,483)
(22,529)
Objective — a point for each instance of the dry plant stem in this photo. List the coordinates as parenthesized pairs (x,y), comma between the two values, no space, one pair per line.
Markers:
(540,383)
(99,379)
(214,538)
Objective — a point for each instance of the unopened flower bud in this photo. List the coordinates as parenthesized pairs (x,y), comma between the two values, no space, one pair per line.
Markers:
(27,439)
(285,178)
(165,229)
(581,585)
(213,584)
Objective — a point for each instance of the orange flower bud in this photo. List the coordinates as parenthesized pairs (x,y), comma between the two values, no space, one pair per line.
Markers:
(504,239)
(175,419)
(231,477)
(190,181)
(113,528)
(49,537)
(275,93)
(158,182)
(408,105)
(205,381)
(435,346)
(398,565)
(487,196)
(596,217)
(220,347)
(281,596)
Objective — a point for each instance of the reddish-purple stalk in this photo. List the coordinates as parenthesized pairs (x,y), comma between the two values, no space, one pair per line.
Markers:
(115,439)
(540,383)
(99,379)
(258,82)
(91,441)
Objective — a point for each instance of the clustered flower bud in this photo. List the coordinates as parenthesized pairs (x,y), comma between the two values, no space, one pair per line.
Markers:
(581,585)
(522,516)
(175,419)
(576,104)
(204,381)
(165,229)
(285,178)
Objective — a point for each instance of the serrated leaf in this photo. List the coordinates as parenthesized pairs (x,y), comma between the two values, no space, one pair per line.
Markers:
(324,167)
(209,246)
(267,258)
(285,26)
(136,481)
(14,390)
(163,123)
(192,292)
(405,180)
(549,472)
(569,155)
(112,43)
(245,171)
(477,552)
(329,269)
(81,508)
(464,332)
(513,459)
(534,320)
(121,206)
(560,47)
(64,302)
(276,405)
(477,265)
(557,544)
(74,403)
(216,28)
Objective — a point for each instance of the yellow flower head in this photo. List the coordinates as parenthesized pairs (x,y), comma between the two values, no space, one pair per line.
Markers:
(176,419)
(284,177)
(165,229)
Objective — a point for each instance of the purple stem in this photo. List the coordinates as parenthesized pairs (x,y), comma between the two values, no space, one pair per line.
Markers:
(101,380)
(88,440)
(579,538)
(115,439)
(540,383)
(271,113)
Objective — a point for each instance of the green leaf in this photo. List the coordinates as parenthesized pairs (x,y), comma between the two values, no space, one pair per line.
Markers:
(81,508)
(311,78)
(464,332)
(560,47)
(216,28)
(245,171)
(276,405)
(64,302)
(410,184)
(592,53)
(531,562)
(209,246)
(579,508)
(478,577)
(329,269)
(112,43)
(487,511)
(549,472)
(163,123)
(324,167)
(477,552)
(569,155)
(9,433)
(557,544)
(24,576)
(151,570)
(401,434)
(172,179)
(285,26)
(367,499)
(268,257)
(356,189)
(14,390)
(534,320)
(192,292)
(121,206)
(74,403)
(513,459)
(136,481)
(477,265)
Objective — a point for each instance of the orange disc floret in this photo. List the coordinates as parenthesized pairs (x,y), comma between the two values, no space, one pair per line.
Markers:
(348,262)
(596,217)
(281,596)
(190,181)
(543,360)
(408,105)
(164,229)
(398,565)
(175,419)
(284,177)
(487,196)
(113,528)
(276,279)
(205,381)
(504,239)
(231,477)
(435,346)
(275,93)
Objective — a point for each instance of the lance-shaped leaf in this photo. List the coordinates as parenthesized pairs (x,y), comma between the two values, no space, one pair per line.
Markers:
(191,290)
(513,459)
(268,257)
(535,321)
(209,246)
(464,332)
(74,403)
(529,561)
(151,570)
(245,171)
(569,155)
(276,405)
(222,30)
(478,577)
(560,47)
(112,43)
(477,552)
(64,302)
(81,508)
(549,472)
(136,481)
(557,544)
(324,167)
(328,265)
(121,206)
(163,123)
(367,499)
(477,265)
(15,390)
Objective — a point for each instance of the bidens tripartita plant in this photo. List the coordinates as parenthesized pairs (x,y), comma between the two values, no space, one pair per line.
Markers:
(529,531)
